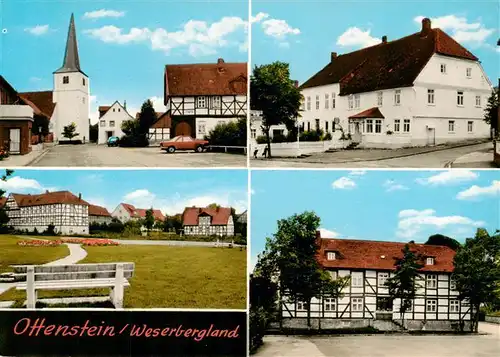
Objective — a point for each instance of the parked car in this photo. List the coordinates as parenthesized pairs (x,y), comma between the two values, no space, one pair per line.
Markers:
(183,143)
(113,141)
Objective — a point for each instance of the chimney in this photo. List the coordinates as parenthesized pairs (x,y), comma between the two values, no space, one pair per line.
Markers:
(46,191)
(426,26)
(384,39)
(333,56)
(296,84)
(80,196)
(220,61)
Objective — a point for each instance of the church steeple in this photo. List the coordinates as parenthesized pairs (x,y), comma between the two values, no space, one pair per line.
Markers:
(71,59)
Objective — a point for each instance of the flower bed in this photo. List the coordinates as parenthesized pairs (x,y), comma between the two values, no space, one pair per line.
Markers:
(54,243)
(91,242)
(39,243)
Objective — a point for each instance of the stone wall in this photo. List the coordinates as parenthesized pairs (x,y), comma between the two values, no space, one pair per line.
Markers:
(492,319)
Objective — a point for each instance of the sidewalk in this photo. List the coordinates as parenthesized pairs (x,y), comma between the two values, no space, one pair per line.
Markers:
(477,159)
(24,160)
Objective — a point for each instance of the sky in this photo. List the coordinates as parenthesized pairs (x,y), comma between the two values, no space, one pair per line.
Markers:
(123,45)
(168,190)
(377,205)
(304,33)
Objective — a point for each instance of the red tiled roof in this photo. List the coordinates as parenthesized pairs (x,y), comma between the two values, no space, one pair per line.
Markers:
(2,201)
(48,198)
(95,210)
(364,254)
(103,110)
(220,216)
(392,64)
(206,79)
(42,100)
(368,113)
(141,212)
(164,121)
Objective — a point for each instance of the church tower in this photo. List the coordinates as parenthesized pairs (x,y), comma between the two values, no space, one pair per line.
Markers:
(71,92)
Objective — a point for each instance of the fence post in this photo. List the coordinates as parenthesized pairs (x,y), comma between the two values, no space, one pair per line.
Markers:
(30,287)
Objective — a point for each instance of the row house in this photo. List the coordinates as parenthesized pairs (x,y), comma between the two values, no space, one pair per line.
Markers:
(16,120)
(200,96)
(125,212)
(110,121)
(67,212)
(365,298)
(422,89)
(99,215)
(208,221)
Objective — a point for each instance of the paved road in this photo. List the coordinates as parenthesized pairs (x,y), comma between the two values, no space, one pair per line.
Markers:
(371,158)
(483,345)
(91,155)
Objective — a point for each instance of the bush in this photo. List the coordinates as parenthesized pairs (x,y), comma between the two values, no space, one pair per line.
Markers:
(279,138)
(314,135)
(258,325)
(133,141)
(50,231)
(327,137)
(261,139)
(233,133)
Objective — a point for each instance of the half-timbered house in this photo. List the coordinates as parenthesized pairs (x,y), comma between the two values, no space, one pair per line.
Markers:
(208,221)
(100,215)
(68,213)
(365,299)
(200,96)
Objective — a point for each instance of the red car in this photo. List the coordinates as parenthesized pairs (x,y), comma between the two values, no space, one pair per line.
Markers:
(183,143)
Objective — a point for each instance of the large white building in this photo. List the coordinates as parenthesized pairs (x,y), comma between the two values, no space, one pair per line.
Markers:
(110,121)
(365,299)
(208,221)
(68,102)
(200,96)
(67,212)
(422,89)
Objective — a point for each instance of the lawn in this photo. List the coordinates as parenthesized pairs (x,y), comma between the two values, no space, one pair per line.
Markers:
(11,253)
(170,277)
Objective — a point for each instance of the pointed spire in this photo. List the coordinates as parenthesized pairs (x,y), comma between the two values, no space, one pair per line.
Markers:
(71,59)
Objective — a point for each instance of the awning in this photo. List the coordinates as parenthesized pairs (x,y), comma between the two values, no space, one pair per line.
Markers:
(372,113)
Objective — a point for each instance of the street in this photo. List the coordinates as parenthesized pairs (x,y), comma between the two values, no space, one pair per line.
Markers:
(486,344)
(91,155)
(410,157)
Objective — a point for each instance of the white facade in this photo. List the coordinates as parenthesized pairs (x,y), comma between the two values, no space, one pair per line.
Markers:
(110,123)
(363,298)
(121,213)
(67,218)
(208,111)
(438,108)
(206,228)
(71,95)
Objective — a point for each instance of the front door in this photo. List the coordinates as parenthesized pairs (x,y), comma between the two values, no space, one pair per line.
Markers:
(109,134)
(183,129)
(15,141)
(431,136)
(356,138)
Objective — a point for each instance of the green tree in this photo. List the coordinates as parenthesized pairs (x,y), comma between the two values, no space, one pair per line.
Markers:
(173,223)
(491,111)
(130,127)
(4,218)
(147,117)
(69,131)
(275,94)
(477,272)
(402,285)
(149,220)
(291,256)
(439,239)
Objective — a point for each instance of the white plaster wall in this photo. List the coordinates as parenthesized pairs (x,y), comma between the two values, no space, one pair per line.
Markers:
(121,213)
(72,105)
(116,114)
(206,124)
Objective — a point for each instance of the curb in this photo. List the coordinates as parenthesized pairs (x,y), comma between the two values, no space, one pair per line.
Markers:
(38,158)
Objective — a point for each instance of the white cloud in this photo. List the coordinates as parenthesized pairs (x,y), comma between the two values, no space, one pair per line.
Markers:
(278,29)
(35,79)
(199,38)
(176,203)
(325,233)
(355,37)
(391,185)
(343,183)
(412,222)
(38,30)
(478,191)
(259,17)
(19,184)
(357,172)
(449,177)
(103,13)
(463,31)
(158,104)
(252,192)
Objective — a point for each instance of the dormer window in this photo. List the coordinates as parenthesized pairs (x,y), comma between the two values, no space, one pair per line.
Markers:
(65,79)
(331,256)
(429,261)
